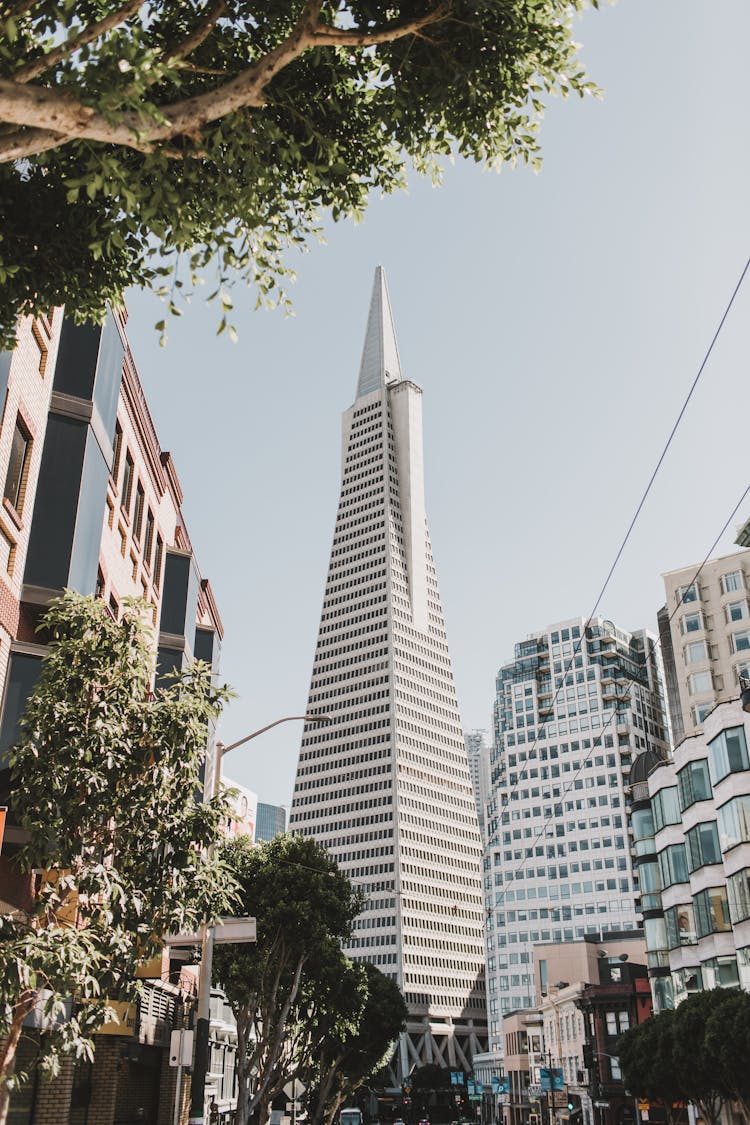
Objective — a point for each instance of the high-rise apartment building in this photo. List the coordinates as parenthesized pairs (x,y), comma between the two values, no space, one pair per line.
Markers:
(707,623)
(572,711)
(478,755)
(691,829)
(385,786)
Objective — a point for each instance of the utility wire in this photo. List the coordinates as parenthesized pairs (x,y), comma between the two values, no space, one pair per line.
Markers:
(596,742)
(641,503)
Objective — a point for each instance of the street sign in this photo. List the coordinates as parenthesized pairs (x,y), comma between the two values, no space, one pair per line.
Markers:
(181,1048)
(644,1105)
(602,1105)
(228,931)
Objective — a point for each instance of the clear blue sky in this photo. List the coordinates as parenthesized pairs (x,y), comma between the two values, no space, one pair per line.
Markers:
(555,322)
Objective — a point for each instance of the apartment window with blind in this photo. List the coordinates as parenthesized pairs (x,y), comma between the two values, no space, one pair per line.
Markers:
(140,500)
(126,492)
(15,479)
(149,540)
(116,453)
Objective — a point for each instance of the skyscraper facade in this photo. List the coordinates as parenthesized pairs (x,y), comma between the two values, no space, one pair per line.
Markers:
(572,711)
(707,622)
(478,755)
(270,822)
(385,785)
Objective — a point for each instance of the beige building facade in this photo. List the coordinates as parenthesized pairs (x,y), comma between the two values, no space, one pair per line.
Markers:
(705,630)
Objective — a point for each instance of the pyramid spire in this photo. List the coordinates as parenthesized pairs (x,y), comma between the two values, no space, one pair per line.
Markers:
(380,364)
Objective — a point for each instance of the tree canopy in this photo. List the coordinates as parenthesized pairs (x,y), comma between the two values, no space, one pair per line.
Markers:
(283,988)
(150,143)
(106,782)
(697,1053)
(356,1046)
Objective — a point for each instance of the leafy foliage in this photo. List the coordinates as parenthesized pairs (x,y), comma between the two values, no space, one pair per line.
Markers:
(285,990)
(646,1058)
(365,1014)
(192,137)
(105,780)
(697,1053)
(727,1044)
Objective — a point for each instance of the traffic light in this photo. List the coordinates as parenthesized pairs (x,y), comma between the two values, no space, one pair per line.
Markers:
(570,1105)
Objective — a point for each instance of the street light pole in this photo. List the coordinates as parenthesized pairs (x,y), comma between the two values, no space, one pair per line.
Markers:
(203,1021)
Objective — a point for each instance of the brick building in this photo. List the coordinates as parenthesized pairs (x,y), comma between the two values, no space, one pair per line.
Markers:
(91,502)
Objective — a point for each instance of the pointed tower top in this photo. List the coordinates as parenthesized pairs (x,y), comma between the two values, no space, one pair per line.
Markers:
(380,362)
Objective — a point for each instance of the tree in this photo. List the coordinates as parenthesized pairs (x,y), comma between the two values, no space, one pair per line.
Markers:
(304,907)
(727,1043)
(105,781)
(697,1053)
(647,1061)
(699,1074)
(354,1049)
(143,140)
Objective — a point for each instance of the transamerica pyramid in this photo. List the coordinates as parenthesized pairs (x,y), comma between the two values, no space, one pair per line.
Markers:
(385,786)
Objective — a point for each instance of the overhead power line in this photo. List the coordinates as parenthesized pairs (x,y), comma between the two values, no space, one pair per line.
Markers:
(596,742)
(641,503)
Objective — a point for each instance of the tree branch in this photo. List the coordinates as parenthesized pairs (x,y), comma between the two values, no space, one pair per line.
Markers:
(86,35)
(52,111)
(345,37)
(199,34)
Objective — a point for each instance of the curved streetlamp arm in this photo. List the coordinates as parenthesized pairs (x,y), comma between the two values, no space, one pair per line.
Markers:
(222,749)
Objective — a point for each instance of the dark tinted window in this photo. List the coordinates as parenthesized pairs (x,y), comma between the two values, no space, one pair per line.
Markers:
(53,526)
(76,359)
(23,673)
(179,605)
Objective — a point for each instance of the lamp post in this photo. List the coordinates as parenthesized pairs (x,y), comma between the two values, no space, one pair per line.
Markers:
(203,1022)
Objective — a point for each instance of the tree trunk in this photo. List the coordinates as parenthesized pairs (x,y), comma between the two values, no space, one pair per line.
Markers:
(264,1110)
(243,1027)
(9,1048)
(333,1109)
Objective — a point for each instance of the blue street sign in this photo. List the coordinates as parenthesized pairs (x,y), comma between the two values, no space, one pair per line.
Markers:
(551,1078)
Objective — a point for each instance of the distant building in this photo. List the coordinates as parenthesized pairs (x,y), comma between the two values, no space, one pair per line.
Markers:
(271,821)
(590,991)
(557,862)
(478,755)
(710,637)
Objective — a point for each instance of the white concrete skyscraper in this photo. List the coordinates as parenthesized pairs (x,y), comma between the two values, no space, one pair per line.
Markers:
(385,786)
(576,706)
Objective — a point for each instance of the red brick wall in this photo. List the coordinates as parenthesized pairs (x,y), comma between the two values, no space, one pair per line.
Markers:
(52,1103)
